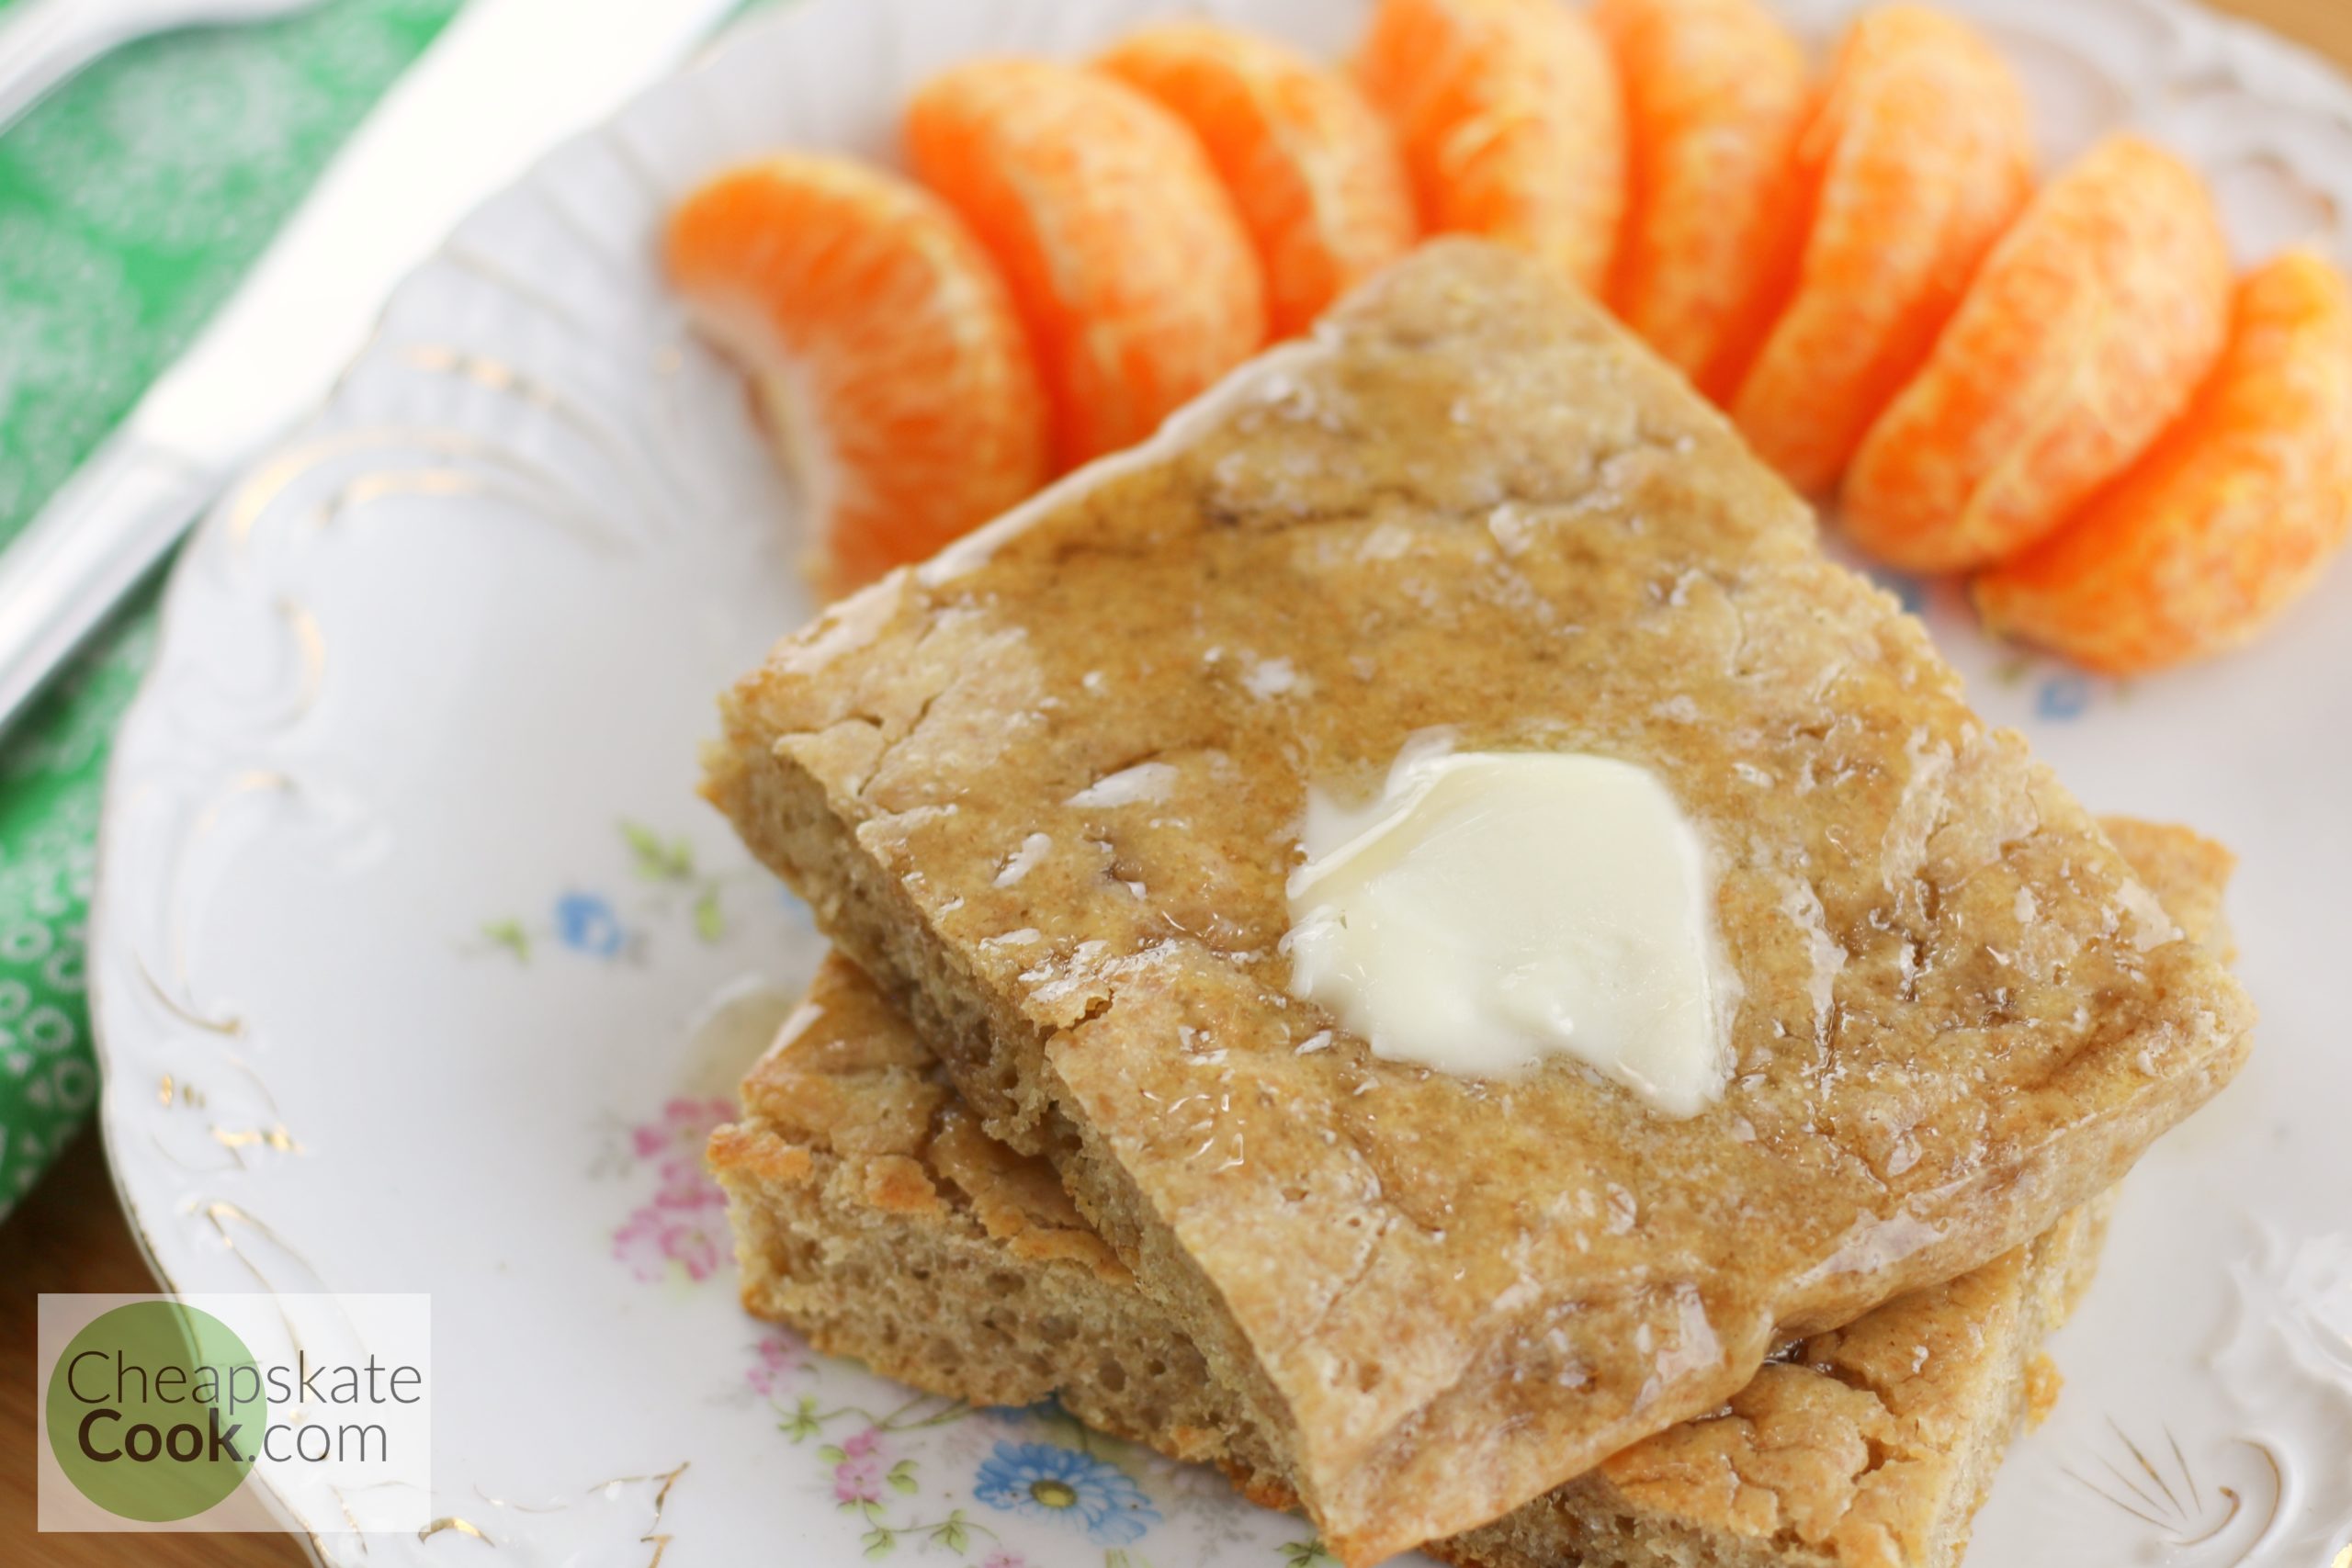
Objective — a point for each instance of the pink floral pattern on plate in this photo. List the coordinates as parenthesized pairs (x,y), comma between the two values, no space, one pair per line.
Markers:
(682,1229)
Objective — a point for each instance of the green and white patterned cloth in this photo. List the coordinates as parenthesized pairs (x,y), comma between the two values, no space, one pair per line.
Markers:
(130,203)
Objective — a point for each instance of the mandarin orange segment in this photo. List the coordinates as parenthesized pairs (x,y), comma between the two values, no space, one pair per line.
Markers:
(1127,259)
(1313,170)
(1512,121)
(2229,517)
(1716,94)
(2087,330)
(1916,155)
(883,349)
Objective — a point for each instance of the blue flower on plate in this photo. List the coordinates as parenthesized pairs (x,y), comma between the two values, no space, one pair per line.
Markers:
(2063,697)
(585,922)
(1908,591)
(1071,1488)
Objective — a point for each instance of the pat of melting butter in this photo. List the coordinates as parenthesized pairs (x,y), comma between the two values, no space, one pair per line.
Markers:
(1490,910)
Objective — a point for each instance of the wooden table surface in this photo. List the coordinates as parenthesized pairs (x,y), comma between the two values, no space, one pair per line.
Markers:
(69,1235)
(2323,25)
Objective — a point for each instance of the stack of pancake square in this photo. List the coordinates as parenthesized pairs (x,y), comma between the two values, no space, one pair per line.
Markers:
(1052,1121)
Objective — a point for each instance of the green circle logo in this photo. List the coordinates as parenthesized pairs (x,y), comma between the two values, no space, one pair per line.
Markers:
(156,1411)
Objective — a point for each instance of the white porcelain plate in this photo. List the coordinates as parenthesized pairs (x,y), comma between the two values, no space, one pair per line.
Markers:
(420,968)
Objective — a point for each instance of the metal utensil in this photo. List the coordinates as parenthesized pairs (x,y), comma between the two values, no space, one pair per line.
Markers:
(42,42)
(503,81)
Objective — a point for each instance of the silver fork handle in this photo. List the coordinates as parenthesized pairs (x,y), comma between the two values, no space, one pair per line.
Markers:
(74,561)
(44,42)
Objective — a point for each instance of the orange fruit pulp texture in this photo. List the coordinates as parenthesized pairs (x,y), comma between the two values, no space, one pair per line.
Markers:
(2085,333)
(1916,155)
(1313,171)
(1125,257)
(2231,514)
(1716,94)
(882,347)
(1511,122)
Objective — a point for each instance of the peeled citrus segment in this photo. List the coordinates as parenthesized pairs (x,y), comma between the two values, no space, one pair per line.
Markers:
(1313,170)
(1917,156)
(1511,122)
(1127,259)
(2229,517)
(1716,94)
(882,347)
(2085,332)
